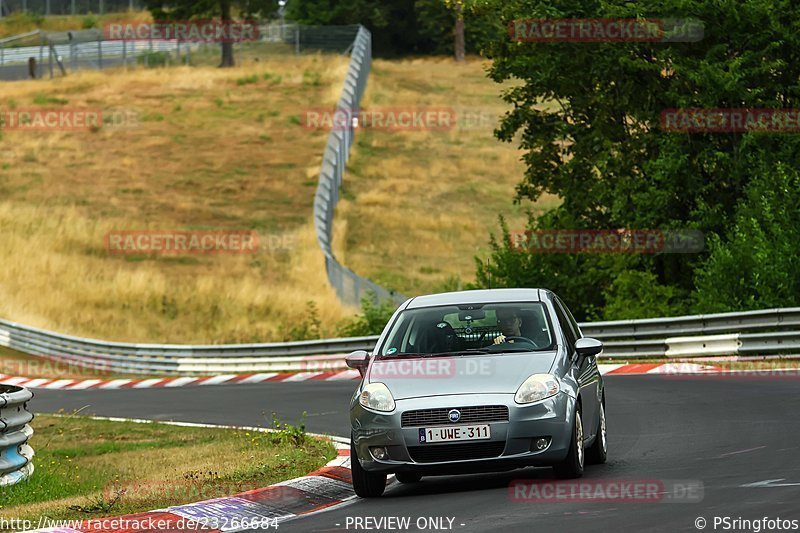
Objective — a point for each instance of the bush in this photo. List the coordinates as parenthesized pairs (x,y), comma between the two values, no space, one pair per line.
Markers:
(756,266)
(153,59)
(89,22)
(373,318)
(636,294)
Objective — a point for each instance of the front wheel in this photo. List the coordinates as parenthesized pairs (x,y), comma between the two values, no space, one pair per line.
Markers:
(366,484)
(572,466)
(598,452)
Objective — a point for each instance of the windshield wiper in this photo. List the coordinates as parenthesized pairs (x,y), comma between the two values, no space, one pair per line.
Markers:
(468,351)
(517,350)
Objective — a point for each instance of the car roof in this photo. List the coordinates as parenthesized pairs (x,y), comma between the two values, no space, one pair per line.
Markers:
(481,296)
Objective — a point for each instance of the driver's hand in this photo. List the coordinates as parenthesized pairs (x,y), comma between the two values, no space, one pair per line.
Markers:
(500,339)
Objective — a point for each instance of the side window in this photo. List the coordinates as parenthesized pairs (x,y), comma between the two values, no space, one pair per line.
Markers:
(572,321)
(566,325)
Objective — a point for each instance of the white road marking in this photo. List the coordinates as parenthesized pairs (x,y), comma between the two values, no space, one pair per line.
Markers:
(771,483)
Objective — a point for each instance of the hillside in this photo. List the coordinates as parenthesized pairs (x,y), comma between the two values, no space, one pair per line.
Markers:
(227,150)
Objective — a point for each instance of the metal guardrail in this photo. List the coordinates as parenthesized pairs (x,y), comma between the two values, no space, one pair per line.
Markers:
(694,324)
(160,358)
(350,287)
(15,453)
(96,50)
(771,331)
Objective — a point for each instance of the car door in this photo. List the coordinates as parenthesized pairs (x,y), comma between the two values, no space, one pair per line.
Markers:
(587,375)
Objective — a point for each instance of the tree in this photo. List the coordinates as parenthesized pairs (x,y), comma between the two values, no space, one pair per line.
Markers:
(460,8)
(459,44)
(756,264)
(438,27)
(587,117)
(393,24)
(172,10)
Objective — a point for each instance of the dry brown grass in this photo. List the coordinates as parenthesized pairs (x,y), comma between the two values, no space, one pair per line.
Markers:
(421,204)
(215,151)
(207,154)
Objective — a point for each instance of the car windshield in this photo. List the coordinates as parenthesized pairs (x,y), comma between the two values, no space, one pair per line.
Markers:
(469,329)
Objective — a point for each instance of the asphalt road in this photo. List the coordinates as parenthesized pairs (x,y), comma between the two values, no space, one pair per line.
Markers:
(722,433)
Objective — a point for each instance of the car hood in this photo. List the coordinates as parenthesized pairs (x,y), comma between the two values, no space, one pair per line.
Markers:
(464,374)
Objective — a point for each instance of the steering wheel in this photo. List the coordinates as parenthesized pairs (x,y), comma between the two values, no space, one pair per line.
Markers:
(524,339)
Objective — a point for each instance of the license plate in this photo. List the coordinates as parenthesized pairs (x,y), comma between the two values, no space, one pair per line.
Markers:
(455,433)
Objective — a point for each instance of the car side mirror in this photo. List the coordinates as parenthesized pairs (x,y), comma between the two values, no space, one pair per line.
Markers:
(587,347)
(358,360)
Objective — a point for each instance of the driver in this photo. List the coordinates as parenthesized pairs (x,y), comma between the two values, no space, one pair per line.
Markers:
(510,324)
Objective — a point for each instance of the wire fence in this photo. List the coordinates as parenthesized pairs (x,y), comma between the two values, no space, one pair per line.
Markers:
(350,287)
(40,54)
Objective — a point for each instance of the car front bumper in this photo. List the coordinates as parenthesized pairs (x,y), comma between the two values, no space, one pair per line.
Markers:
(512,442)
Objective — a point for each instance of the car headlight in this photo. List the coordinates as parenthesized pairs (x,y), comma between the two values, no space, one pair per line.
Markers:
(537,387)
(376,396)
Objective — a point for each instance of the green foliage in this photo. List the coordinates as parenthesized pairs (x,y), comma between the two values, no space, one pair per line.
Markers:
(213,9)
(402,27)
(247,80)
(285,433)
(587,116)
(153,59)
(312,78)
(89,22)
(436,22)
(46,100)
(637,294)
(578,278)
(756,266)
(371,321)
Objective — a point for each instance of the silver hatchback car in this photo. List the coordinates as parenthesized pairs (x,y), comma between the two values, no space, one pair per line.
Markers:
(475,381)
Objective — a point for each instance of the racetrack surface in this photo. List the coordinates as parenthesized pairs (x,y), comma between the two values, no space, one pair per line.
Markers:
(724,432)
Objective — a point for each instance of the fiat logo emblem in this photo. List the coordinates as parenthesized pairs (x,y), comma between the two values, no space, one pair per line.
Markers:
(454,415)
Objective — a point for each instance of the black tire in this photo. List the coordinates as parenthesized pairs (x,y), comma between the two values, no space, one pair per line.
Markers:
(408,477)
(572,465)
(598,452)
(366,484)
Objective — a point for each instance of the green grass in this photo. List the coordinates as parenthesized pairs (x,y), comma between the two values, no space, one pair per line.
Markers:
(87,468)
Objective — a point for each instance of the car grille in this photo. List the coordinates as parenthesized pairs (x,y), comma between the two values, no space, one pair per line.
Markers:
(435,453)
(469,415)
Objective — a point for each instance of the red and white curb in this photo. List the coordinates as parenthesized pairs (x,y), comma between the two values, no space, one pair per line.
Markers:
(228,379)
(338,375)
(264,508)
